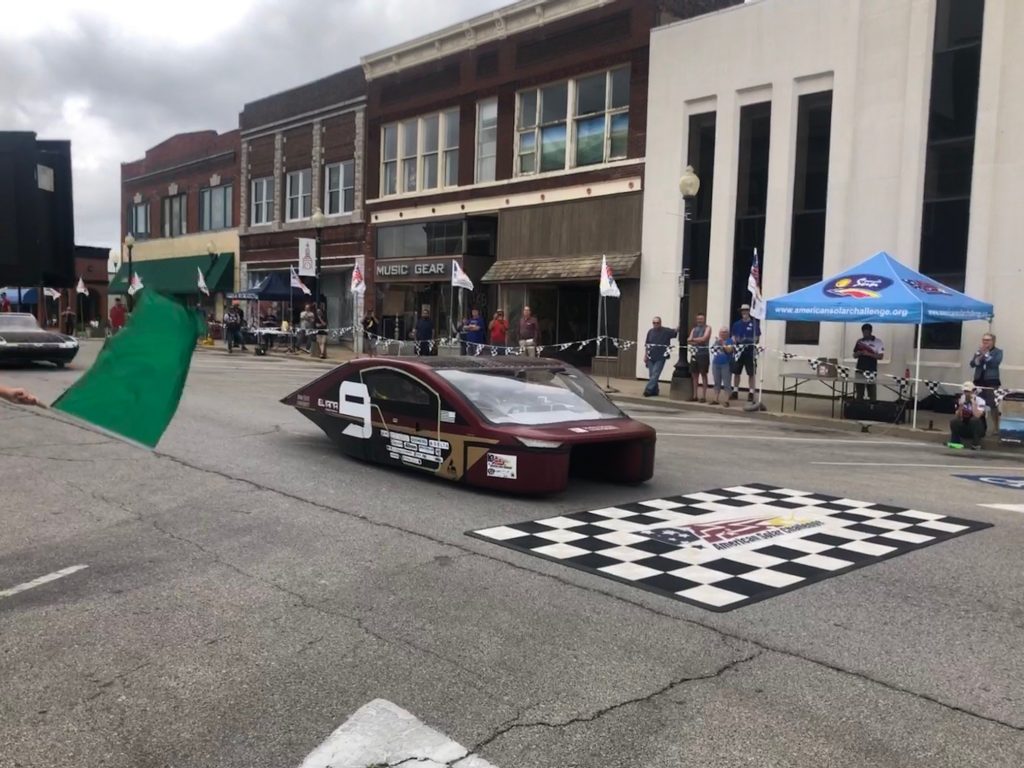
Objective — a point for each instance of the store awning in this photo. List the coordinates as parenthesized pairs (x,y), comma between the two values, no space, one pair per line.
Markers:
(179,276)
(562,268)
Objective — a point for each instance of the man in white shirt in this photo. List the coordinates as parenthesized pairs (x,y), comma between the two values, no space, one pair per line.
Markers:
(968,424)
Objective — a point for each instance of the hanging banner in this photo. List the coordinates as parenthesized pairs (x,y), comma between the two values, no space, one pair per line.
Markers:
(307,257)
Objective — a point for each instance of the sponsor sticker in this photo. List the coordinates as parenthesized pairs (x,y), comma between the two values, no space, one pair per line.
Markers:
(739,533)
(302,401)
(501,465)
(926,286)
(857,286)
(448,417)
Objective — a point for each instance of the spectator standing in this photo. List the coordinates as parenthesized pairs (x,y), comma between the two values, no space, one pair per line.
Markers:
(699,339)
(117,316)
(497,331)
(321,330)
(473,333)
(371,330)
(868,350)
(529,333)
(69,321)
(423,333)
(5,303)
(232,327)
(307,325)
(656,351)
(967,427)
(722,351)
(986,362)
(746,332)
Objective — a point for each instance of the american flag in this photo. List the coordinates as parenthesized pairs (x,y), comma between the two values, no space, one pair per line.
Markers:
(715,533)
(757,308)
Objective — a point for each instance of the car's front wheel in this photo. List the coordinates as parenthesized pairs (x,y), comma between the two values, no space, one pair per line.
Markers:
(59,363)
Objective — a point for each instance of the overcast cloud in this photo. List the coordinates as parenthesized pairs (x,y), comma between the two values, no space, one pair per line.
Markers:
(123,77)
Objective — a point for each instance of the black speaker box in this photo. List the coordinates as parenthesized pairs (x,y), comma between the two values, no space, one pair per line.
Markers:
(888,411)
(37,231)
(939,403)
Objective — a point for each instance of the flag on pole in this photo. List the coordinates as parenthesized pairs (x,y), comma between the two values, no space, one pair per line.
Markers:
(459,278)
(608,284)
(133,388)
(757,308)
(136,284)
(358,284)
(307,257)
(53,293)
(202,282)
(297,283)
(81,287)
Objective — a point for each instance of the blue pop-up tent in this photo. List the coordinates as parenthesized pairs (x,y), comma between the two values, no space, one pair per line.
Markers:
(880,290)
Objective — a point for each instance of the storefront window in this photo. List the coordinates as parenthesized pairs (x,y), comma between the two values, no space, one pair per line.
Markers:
(432,238)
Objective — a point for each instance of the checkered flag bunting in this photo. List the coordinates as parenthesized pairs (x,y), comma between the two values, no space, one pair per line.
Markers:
(1000,394)
(933,386)
(844,372)
(870,375)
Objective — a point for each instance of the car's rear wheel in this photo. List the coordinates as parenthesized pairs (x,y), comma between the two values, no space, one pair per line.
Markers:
(59,363)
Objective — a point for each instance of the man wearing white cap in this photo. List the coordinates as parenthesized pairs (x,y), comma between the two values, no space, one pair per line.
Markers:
(968,425)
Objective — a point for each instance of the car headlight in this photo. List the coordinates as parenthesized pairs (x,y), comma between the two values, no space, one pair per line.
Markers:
(71,344)
(530,442)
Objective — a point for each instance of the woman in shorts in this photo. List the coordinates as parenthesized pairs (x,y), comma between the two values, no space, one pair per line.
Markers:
(698,341)
(722,350)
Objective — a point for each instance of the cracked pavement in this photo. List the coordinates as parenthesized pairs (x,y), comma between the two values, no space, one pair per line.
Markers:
(248,589)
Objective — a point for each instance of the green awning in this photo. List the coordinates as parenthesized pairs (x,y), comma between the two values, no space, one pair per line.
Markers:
(179,276)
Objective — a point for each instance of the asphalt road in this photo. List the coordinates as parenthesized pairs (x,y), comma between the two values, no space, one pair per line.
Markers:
(248,588)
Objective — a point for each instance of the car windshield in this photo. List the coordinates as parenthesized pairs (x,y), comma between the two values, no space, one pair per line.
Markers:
(10,321)
(532,396)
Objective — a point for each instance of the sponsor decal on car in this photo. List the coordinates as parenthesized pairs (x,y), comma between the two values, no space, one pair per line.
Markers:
(448,417)
(857,286)
(731,534)
(926,286)
(501,465)
(416,450)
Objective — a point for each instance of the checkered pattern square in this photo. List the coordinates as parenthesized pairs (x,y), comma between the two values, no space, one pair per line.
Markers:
(729,547)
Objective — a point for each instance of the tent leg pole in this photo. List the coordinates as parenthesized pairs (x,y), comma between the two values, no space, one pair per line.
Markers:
(917,372)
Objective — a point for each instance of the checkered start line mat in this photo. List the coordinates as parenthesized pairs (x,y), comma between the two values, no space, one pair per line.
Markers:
(729,547)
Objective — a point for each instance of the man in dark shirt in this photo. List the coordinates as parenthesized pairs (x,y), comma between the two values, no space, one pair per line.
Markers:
(656,351)
(529,333)
(868,350)
(746,332)
(424,333)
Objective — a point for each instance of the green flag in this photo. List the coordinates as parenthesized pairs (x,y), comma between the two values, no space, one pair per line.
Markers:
(135,384)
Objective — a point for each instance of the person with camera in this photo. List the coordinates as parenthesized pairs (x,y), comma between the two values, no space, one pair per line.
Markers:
(967,427)
(986,363)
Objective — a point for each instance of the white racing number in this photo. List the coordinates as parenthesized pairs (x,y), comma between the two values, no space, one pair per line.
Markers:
(354,402)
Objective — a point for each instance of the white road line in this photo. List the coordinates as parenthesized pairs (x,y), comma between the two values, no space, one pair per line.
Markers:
(759,437)
(1005,507)
(382,733)
(892,464)
(42,580)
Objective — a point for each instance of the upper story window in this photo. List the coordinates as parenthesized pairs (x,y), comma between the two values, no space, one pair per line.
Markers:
(421,153)
(300,195)
(175,216)
(138,219)
(215,207)
(573,123)
(262,206)
(486,139)
(340,188)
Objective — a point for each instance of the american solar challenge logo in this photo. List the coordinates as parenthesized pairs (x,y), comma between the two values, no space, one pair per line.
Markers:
(857,286)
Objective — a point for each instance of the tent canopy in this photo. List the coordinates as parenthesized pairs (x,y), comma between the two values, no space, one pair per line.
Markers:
(878,290)
(273,287)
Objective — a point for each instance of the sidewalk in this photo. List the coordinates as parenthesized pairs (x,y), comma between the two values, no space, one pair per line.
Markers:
(813,412)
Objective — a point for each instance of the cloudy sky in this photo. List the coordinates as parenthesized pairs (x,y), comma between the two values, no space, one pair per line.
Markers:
(117,77)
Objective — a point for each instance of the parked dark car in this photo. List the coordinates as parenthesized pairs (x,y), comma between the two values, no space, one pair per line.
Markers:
(515,424)
(22,340)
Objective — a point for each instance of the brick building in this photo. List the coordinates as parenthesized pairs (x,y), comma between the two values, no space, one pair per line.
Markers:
(179,205)
(302,150)
(514,144)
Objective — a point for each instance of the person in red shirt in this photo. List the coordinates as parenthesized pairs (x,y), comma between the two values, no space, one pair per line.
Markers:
(5,303)
(497,331)
(117,316)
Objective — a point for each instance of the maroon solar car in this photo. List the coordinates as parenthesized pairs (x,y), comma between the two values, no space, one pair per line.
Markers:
(513,424)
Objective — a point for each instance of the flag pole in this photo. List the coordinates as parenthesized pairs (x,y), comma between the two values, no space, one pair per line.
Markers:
(917,372)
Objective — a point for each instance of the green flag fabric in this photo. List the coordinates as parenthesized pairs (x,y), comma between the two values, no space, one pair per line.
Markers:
(135,384)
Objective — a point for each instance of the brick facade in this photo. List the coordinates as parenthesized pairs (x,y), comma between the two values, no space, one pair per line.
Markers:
(183,164)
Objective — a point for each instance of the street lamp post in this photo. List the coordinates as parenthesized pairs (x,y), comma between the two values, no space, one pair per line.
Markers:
(689,185)
(318,220)
(129,243)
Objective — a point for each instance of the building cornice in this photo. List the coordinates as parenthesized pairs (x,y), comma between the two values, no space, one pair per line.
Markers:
(496,25)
